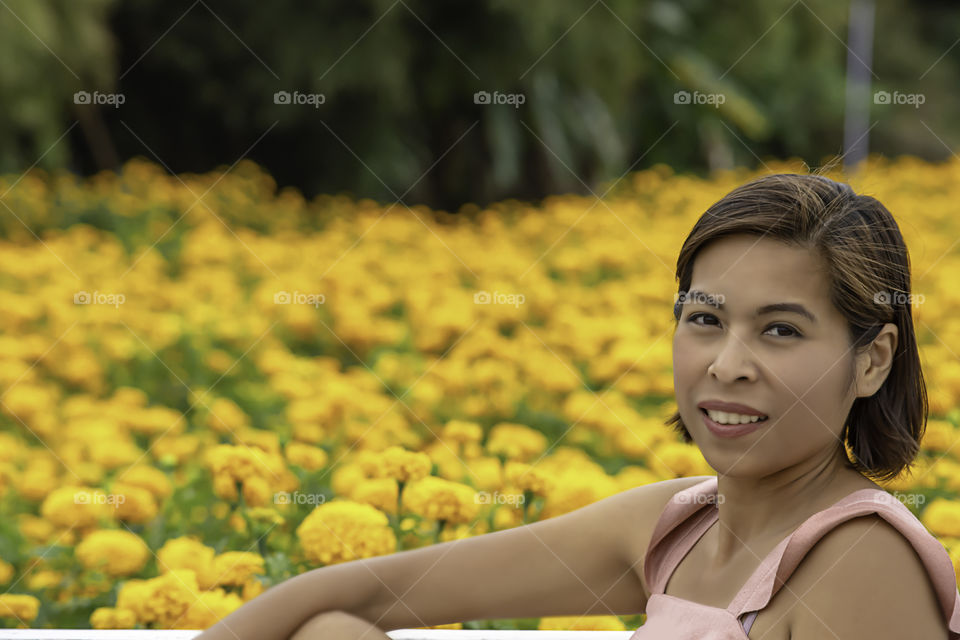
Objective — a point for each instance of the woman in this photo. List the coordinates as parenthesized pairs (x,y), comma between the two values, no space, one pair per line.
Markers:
(797,374)
(796,307)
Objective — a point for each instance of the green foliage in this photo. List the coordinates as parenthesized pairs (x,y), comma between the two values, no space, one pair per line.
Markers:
(598,81)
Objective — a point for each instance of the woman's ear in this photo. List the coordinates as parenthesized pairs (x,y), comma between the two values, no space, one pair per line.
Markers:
(874,364)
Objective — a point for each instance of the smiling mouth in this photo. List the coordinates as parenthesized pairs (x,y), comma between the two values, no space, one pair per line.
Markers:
(731,424)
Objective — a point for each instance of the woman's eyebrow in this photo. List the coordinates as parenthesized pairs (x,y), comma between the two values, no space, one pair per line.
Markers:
(695,296)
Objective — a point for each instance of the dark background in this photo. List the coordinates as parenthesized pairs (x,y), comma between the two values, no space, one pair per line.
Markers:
(399,121)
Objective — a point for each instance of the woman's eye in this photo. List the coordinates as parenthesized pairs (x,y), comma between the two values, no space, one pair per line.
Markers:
(794,333)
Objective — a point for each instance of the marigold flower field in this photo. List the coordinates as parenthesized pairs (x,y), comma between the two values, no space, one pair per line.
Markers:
(210,385)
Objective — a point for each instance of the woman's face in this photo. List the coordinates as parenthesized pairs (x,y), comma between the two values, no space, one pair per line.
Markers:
(789,367)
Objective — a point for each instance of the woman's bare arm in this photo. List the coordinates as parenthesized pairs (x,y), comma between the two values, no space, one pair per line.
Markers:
(586,562)
(282,609)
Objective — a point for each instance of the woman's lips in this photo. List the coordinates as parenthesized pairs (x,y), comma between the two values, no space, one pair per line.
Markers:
(731,430)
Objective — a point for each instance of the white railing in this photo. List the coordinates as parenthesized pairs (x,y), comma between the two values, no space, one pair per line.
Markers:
(399,634)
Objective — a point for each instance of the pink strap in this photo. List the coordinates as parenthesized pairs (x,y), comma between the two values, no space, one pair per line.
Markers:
(778,566)
(665,551)
(689,513)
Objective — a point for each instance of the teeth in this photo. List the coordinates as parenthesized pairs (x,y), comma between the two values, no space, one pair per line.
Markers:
(722,417)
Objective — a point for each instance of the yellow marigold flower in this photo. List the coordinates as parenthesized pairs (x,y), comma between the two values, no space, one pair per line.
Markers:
(8,471)
(76,507)
(113,453)
(316,409)
(268,441)
(256,492)
(186,552)
(463,531)
(345,477)
(44,579)
(236,567)
(566,459)
(208,609)
(367,460)
(167,598)
(26,400)
(6,571)
(156,421)
(641,438)
(305,456)
(21,607)
(90,473)
(133,596)
(440,499)
(506,517)
(528,478)
(129,397)
(308,432)
(175,449)
(581,623)
(116,552)
(575,490)
(36,484)
(225,487)
(251,589)
(516,441)
(150,478)
(111,618)
(135,504)
(462,431)
(942,517)
(402,465)
(484,473)
(11,447)
(634,476)
(379,492)
(678,460)
(237,523)
(343,530)
(939,435)
(449,464)
(267,515)
(219,360)
(243,462)
(226,416)
(36,529)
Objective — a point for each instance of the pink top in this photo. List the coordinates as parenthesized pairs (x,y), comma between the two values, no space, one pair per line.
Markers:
(692,511)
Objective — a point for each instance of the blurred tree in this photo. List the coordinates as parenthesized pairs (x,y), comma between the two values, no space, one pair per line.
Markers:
(49,50)
(606,86)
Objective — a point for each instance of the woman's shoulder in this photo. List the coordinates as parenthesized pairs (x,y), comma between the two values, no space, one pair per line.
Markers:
(864,578)
(648,502)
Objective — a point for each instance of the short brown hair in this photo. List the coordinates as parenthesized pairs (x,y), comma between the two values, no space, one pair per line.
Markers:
(864,255)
